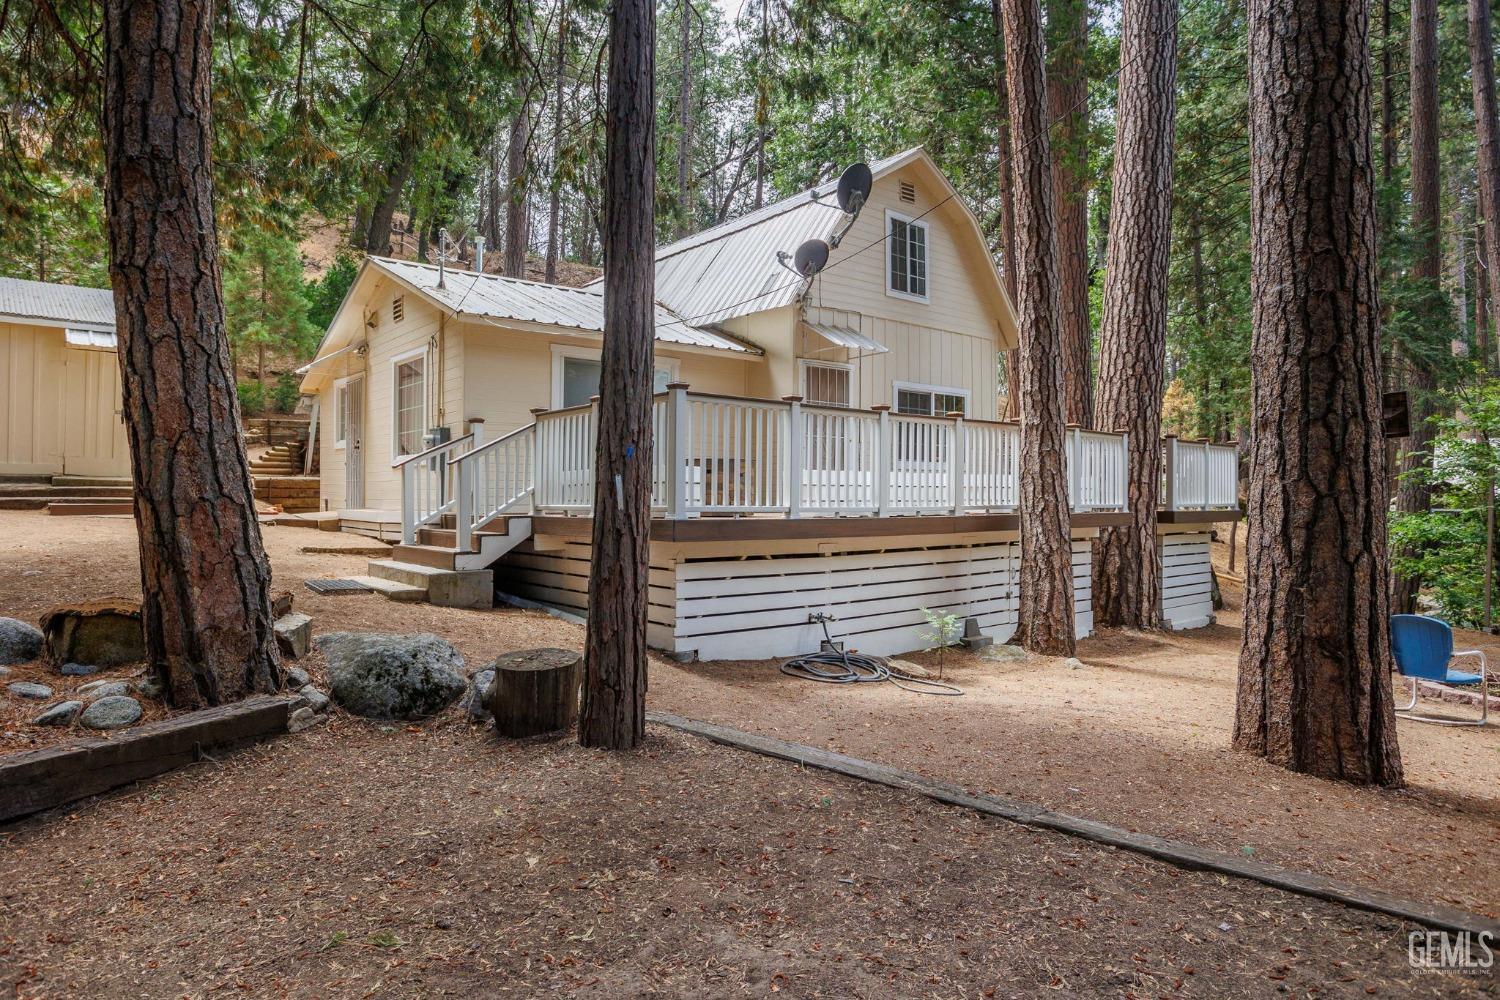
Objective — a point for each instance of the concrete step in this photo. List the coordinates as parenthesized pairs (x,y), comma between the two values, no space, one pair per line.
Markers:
(391,590)
(23,503)
(449,588)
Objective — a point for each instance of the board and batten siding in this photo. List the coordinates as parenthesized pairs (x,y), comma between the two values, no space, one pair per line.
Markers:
(754,602)
(1186,578)
(61,408)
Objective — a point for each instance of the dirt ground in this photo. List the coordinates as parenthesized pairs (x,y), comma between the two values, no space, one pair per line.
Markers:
(366,860)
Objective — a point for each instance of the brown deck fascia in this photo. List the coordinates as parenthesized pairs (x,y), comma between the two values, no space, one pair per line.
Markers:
(725,529)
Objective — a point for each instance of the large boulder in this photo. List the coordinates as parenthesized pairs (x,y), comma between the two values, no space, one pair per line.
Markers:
(103,633)
(19,642)
(383,676)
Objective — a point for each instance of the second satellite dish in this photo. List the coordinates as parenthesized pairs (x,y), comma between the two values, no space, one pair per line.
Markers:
(811,257)
(854,187)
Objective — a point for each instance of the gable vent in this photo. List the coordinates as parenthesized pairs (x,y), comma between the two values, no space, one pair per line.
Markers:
(908,192)
(398,308)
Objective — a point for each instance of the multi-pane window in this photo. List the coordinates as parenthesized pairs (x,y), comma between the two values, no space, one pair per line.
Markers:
(827,385)
(908,257)
(411,410)
(580,379)
(929,402)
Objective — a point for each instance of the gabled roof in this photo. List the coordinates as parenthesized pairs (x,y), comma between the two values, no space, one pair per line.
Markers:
(49,304)
(514,300)
(732,269)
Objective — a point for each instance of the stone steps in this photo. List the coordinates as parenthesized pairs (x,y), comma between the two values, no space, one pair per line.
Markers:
(448,588)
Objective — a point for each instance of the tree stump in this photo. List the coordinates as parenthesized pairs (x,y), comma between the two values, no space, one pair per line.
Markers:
(535,691)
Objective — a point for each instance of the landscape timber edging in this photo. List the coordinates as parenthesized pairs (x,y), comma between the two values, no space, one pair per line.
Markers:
(1173,852)
(35,780)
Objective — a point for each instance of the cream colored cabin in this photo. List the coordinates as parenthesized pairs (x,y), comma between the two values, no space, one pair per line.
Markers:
(823,447)
(60,410)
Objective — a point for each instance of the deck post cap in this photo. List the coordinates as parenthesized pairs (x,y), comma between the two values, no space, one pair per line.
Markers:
(791,399)
(677,385)
(954,414)
(539,409)
(881,407)
(473,420)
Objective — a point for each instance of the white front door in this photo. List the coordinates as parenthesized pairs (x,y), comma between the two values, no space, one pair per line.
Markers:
(94,441)
(354,443)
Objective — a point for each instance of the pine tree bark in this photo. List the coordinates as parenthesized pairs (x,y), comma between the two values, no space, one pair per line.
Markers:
(1068,92)
(1314,692)
(378,238)
(1046,619)
(614,690)
(1133,335)
(517,221)
(1414,493)
(1487,127)
(554,201)
(205,581)
(685,124)
(1007,212)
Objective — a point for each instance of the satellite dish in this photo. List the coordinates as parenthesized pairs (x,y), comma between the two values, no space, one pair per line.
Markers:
(854,187)
(811,257)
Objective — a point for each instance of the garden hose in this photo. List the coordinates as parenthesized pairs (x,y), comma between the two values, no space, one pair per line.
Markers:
(843,667)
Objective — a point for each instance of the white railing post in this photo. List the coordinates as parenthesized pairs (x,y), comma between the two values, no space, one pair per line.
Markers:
(1206,448)
(1075,467)
(408,503)
(476,429)
(1124,484)
(538,494)
(794,456)
(883,462)
(676,445)
(1169,487)
(956,461)
(464,507)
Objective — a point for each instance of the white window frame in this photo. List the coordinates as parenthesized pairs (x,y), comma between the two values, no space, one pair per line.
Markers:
(340,398)
(561,351)
(803,364)
(893,216)
(946,390)
(396,362)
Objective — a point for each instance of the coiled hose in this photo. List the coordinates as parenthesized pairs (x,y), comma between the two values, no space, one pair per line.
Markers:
(843,667)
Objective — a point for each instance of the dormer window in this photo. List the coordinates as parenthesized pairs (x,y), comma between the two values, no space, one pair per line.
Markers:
(906,257)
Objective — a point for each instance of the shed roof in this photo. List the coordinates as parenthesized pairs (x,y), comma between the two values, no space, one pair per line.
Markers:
(49,304)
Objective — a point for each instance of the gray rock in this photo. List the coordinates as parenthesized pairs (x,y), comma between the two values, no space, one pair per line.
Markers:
(19,642)
(297,679)
(94,690)
(1005,651)
(294,634)
(112,712)
(105,633)
(78,669)
(476,700)
(303,718)
(383,676)
(149,687)
(1074,663)
(61,714)
(4,672)
(26,689)
(316,700)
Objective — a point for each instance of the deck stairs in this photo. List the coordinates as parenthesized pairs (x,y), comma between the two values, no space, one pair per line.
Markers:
(434,570)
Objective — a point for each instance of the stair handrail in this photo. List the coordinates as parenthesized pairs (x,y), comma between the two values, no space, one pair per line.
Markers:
(411,517)
(470,514)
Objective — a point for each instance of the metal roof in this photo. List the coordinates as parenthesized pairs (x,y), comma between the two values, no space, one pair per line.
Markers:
(732,269)
(493,297)
(57,305)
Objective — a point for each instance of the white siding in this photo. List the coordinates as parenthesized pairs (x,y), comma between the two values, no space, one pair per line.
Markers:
(60,412)
(1186,579)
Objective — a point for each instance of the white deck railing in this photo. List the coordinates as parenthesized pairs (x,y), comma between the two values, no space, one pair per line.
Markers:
(726,455)
(1197,475)
(718,454)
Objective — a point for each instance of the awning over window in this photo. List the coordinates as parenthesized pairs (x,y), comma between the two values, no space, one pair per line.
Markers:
(99,340)
(847,337)
(327,357)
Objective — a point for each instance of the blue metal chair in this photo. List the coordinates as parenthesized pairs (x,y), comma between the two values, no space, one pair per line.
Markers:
(1423,647)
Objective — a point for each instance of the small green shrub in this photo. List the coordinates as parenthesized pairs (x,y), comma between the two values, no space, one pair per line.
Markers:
(252,398)
(284,394)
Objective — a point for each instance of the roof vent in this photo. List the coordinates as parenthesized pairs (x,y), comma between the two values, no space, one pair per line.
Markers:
(398,308)
(908,192)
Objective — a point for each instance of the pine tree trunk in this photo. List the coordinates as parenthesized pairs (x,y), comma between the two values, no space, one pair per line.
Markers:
(554,201)
(1414,494)
(1133,337)
(1487,125)
(205,581)
(1068,91)
(685,124)
(517,224)
(1314,691)
(614,689)
(494,199)
(1007,211)
(1046,624)
(378,239)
